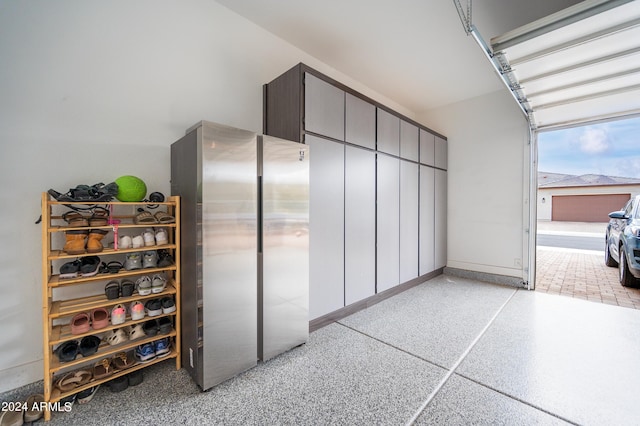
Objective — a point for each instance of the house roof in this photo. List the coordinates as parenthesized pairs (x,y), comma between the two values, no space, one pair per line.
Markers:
(555,180)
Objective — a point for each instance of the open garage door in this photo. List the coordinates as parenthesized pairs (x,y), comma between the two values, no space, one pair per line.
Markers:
(586,208)
(579,65)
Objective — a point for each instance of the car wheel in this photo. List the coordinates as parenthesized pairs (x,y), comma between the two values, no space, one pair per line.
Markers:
(608,260)
(626,279)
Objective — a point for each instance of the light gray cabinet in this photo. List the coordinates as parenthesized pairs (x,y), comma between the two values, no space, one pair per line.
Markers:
(324,108)
(388,225)
(388,132)
(326,226)
(427,219)
(441,153)
(427,148)
(409,141)
(409,178)
(360,224)
(360,122)
(441,218)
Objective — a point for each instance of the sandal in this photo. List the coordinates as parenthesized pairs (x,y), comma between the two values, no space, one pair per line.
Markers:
(112,290)
(99,318)
(100,217)
(75,219)
(123,360)
(102,369)
(73,379)
(163,217)
(144,217)
(80,323)
(115,337)
(114,266)
(127,288)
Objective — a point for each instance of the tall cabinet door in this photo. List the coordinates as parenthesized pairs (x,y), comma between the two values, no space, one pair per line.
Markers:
(326,226)
(441,218)
(360,224)
(388,223)
(427,220)
(408,220)
(324,108)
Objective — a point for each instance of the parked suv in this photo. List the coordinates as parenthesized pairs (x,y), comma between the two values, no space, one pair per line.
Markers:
(622,247)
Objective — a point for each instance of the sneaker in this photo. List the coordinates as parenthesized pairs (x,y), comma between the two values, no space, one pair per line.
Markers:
(144,285)
(86,395)
(136,332)
(161,347)
(137,310)
(124,242)
(137,241)
(115,337)
(153,307)
(150,259)
(146,352)
(158,283)
(133,261)
(164,258)
(168,305)
(162,237)
(150,328)
(164,325)
(148,237)
(70,269)
(118,314)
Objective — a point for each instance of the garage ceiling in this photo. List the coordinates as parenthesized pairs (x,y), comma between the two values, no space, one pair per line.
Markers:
(579,65)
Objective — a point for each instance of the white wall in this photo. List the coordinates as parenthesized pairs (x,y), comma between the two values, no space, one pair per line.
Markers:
(488,146)
(91,90)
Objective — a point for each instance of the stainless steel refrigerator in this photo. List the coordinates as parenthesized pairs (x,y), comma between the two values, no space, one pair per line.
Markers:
(244,248)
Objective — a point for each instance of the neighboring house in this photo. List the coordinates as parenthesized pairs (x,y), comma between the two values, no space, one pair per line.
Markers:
(585,198)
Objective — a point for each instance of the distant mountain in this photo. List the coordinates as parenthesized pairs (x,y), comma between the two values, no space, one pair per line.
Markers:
(551,180)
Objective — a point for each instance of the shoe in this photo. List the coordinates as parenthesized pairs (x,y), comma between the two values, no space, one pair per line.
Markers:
(94,243)
(114,267)
(89,345)
(80,323)
(70,269)
(67,401)
(112,290)
(135,377)
(137,310)
(75,242)
(11,418)
(162,347)
(150,259)
(89,266)
(118,384)
(146,352)
(137,241)
(164,325)
(164,258)
(158,284)
(168,305)
(100,217)
(162,237)
(99,318)
(150,328)
(136,332)
(153,307)
(67,351)
(123,360)
(86,395)
(115,337)
(144,285)
(124,242)
(132,261)
(118,314)
(148,237)
(34,411)
(127,288)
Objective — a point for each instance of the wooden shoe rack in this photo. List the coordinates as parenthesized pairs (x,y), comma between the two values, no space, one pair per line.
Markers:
(62,298)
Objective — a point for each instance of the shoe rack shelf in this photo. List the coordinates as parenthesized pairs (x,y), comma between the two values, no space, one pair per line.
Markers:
(62,298)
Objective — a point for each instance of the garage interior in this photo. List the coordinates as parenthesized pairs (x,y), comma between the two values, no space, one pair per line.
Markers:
(120,82)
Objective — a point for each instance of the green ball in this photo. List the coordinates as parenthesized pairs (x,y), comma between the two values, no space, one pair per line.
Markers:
(131,188)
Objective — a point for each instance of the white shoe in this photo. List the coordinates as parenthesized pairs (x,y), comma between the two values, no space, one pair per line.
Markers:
(161,236)
(124,242)
(137,241)
(149,239)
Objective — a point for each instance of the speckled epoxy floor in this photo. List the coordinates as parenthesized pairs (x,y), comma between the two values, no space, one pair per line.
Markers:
(450,351)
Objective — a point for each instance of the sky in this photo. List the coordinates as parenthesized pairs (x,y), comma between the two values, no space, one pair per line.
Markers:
(611,148)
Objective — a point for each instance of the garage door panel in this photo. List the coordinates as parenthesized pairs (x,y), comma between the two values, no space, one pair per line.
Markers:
(586,208)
